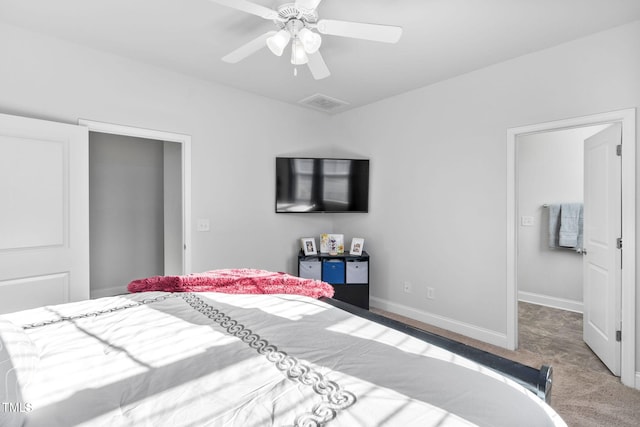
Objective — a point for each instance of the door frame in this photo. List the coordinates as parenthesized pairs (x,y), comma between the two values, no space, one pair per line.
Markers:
(628,119)
(185,144)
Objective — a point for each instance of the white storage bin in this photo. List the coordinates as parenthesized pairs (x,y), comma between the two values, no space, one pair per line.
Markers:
(311,269)
(357,271)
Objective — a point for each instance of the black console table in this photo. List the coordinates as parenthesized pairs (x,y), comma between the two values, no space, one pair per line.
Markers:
(348,274)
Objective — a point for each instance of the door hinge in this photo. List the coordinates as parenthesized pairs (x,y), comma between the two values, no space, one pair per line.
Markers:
(618,336)
(619,149)
(619,243)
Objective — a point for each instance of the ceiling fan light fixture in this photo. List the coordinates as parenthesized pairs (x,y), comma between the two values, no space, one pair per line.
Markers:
(278,42)
(310,41)
(298,55)
(297,22)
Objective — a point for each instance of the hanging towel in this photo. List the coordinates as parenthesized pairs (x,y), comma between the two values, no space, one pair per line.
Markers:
(579,246)
(554,225)
(570,234)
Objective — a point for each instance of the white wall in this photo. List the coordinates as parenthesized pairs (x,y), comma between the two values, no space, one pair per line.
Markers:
(173,241)
(235,138)
(438,158)
(549,169)
(438,197)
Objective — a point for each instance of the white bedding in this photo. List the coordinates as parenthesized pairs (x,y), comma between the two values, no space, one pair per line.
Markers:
(165,363)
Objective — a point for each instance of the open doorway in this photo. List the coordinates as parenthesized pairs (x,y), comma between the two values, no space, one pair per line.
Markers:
(627,119)
(549,171)
(550,174)
(139,205)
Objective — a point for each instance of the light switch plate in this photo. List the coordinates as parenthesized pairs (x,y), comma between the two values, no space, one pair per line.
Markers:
(526,221)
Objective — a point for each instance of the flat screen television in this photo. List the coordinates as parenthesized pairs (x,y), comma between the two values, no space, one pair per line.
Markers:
(305,184)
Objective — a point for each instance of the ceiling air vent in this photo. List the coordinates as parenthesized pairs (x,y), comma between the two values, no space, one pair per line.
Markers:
(323,103)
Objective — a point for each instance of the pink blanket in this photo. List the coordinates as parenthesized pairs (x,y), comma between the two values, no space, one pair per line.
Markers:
(236,281)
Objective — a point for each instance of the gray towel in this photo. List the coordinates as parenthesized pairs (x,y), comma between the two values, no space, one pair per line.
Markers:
(554,225)
(571,221)
(580,242)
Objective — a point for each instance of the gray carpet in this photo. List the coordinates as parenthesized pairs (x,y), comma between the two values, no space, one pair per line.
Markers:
(584,393)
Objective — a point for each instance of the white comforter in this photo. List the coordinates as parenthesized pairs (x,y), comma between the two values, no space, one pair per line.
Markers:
(165,363)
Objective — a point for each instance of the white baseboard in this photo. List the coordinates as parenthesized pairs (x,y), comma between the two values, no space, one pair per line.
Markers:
(637,384)
(553,302)
(471,331)
(108,292)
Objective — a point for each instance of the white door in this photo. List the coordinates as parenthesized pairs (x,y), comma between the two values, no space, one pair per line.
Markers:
(602,259)
(44,213)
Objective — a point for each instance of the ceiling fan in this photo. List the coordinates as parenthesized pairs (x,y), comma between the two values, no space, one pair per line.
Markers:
(295,23)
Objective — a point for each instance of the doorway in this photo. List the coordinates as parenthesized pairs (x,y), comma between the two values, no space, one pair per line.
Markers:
(549,171)
(627,119)
(139,207)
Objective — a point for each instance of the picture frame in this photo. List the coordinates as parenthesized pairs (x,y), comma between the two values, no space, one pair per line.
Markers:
(357,244)
(309,245)
(336,244)
(324,243)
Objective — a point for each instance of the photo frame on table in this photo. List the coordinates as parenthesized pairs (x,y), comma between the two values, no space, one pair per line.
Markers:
(336,244)
(324,243)
(357,244)
(309,245)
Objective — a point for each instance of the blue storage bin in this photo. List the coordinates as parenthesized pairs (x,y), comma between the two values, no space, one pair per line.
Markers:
(333,271)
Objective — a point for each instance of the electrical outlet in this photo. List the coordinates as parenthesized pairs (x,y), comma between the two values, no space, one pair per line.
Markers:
(407,287)
(203,224)
(431,293)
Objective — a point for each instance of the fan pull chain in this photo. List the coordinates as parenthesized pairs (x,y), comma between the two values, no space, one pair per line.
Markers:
(295,71)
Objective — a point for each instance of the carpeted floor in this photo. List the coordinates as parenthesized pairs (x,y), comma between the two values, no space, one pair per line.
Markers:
(584,392)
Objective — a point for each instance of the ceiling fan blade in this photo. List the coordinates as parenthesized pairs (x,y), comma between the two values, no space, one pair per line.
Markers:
(248,49)
(374,32)
(249,7)
(317,66)
(307,4)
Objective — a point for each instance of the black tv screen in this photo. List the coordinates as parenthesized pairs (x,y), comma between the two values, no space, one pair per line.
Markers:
(321,185)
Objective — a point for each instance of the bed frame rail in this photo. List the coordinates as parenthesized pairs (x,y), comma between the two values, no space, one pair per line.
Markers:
(539,381)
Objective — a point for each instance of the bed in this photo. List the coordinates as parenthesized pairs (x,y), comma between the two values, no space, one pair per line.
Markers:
(277,355)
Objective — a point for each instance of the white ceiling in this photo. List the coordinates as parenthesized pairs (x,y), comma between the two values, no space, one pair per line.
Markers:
(441,38)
